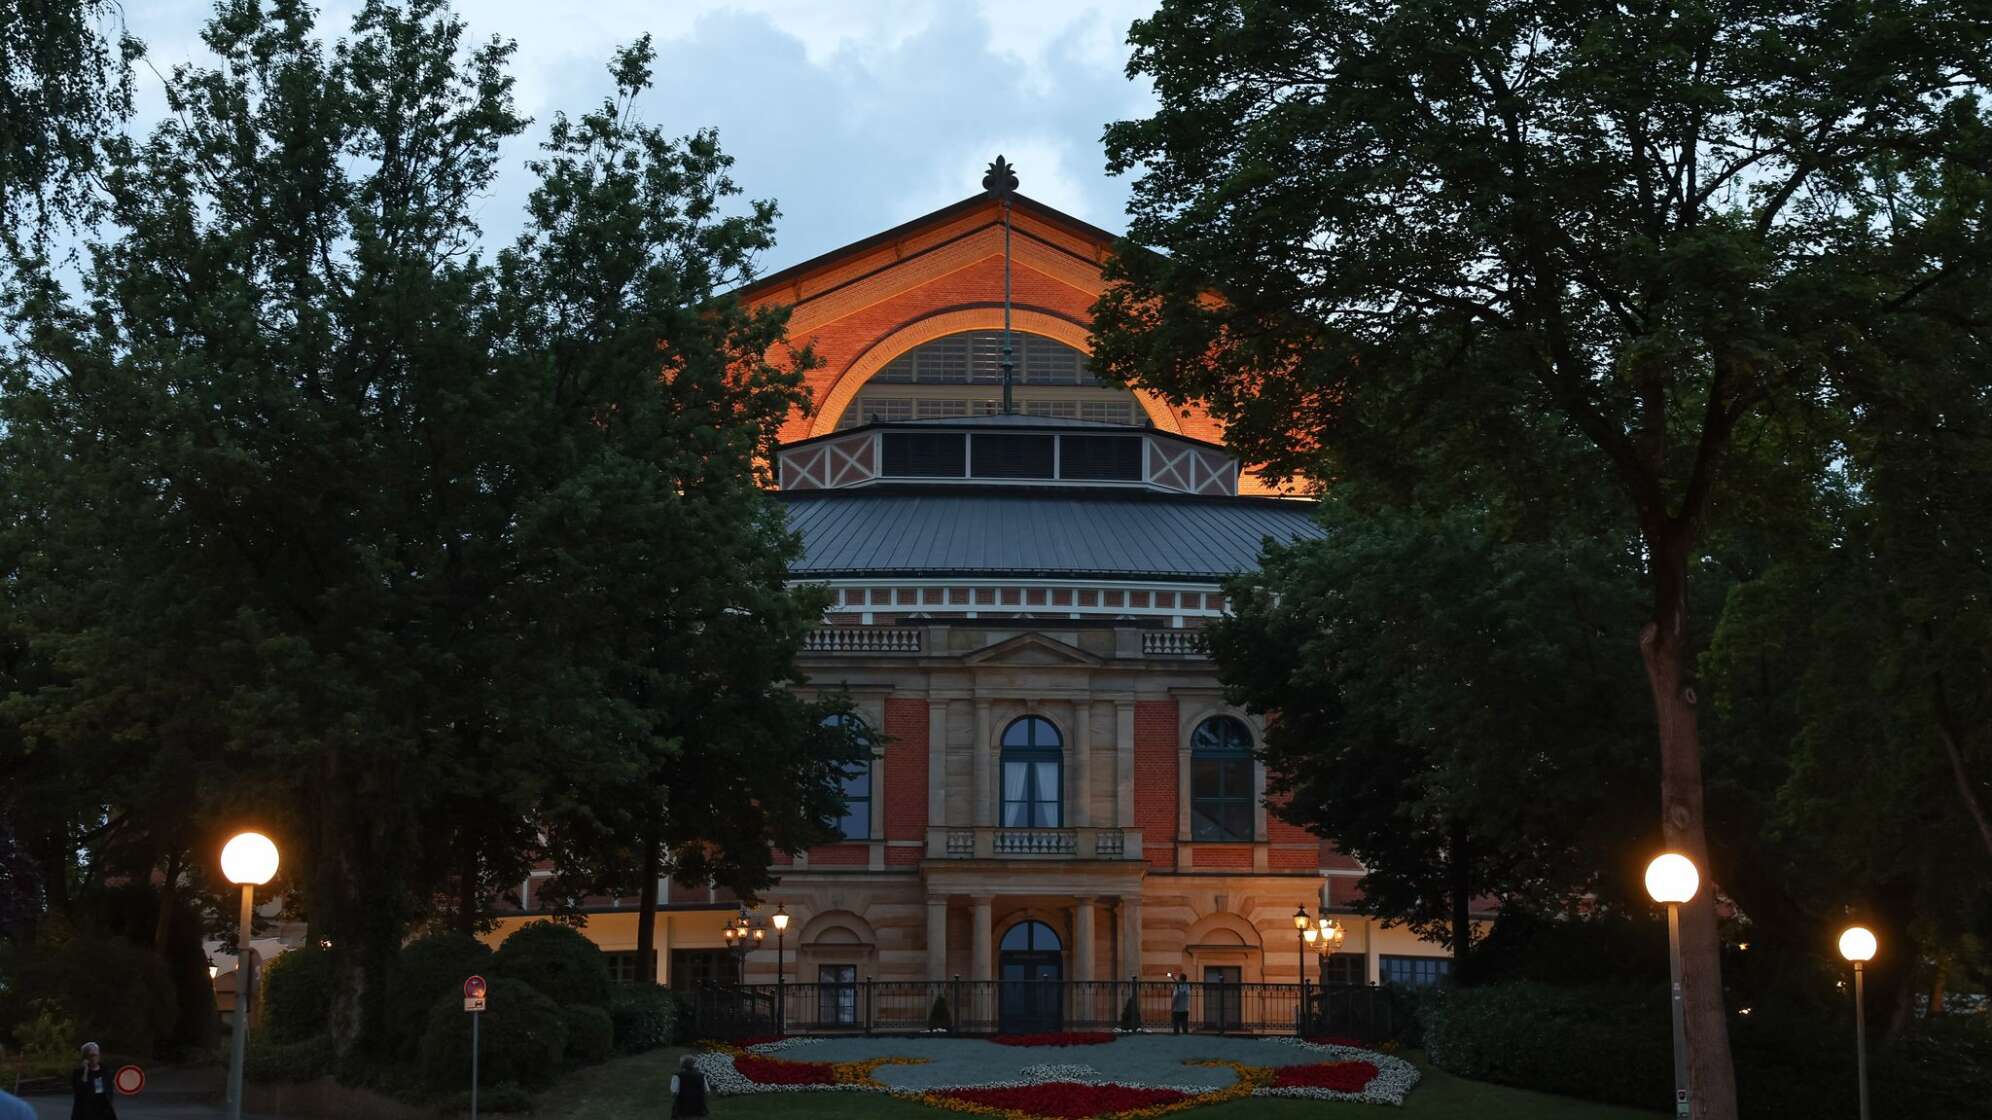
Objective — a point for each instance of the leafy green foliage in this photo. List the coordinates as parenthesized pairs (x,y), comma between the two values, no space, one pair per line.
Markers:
(427,969)
(1607,1043)
(522,1037)
(590,1034)
(643,1017)
(47,1037)
(67,88)
(304,1059)
(558,960)
(117,995)
(296,995)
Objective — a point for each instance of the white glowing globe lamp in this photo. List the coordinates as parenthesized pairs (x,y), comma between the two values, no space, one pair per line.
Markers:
(249,859)
(1672,878)
(1857,944)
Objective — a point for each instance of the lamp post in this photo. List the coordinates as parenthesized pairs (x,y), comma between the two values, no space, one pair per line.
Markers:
(249,860)
(1304,926)
(1672,878)
(1857,944)
(780,920)
(743,936)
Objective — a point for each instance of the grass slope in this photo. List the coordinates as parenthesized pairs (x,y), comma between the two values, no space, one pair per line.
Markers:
(630,1088)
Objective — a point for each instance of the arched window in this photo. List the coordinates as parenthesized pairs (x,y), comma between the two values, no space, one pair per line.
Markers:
(855,824)
(1221,787)
(1030,937)
(1033,754)
(956,375)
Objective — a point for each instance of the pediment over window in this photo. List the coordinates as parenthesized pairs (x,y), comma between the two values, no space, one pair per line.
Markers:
(1031,649)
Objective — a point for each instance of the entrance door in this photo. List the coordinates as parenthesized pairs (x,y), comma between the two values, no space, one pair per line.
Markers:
(1031,969)
(1223,998)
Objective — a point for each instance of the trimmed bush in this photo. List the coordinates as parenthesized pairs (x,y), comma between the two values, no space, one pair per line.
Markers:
(522,1038)
(427,969)
(1603,1043)
(558,960)
(591,1038)
(305,1060)
(295,1000)
(938,1018)
(642,1017)
(115,993)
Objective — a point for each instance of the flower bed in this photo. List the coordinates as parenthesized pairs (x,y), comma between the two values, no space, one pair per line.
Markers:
(1056,1038)
(1058,1100)
(977,1080)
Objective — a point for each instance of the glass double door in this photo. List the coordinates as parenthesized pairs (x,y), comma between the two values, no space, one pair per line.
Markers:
(1029,992)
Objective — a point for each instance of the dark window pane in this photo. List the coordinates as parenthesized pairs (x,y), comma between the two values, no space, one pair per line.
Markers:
(924,454)
(1100,457)
(1012,456)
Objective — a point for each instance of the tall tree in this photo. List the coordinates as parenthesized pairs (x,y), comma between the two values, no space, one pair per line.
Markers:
(1454,708)
(376,541)
(1661,224)
(64,85)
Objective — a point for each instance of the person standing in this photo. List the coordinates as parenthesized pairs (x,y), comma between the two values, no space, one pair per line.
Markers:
(1179,1006)
(91,1085)
(688,1089)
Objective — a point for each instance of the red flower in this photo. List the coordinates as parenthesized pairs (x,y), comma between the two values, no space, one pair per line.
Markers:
(1343,1077)
(774,1071)
(1065,1100)
(1055,1038)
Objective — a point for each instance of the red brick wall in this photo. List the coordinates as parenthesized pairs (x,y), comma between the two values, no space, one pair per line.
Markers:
(905,770)
(1155,779)
(1280,832)
(840,855)
(1235,857)
(1291,859)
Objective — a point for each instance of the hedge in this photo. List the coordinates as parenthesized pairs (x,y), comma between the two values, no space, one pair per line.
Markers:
(304,1060)
(590,1035)
(558,960)
(642,1017)
(116,994)
(295,1000)
(521,1037)
(427,969)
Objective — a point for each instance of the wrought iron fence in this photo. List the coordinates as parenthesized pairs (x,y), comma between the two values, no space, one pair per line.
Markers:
(1029,1006)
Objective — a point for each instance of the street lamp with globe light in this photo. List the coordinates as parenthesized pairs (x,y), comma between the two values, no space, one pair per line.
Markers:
(1673,879)
(1304,927)
(249,860)
(1857,944)
(780,920)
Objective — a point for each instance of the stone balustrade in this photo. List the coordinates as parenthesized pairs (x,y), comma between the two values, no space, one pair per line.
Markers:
(1033,843)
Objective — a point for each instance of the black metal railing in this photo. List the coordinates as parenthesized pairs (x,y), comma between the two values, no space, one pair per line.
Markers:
(980,1007)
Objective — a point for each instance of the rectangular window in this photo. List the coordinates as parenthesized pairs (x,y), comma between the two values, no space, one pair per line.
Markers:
(1414,972)
(1030,794)
(1344,969)
(1012,456)
(925,455)
(692,969)
(930,409)
(856,821)
(623,967)
(837,994)
(1106,412)
(1116,458)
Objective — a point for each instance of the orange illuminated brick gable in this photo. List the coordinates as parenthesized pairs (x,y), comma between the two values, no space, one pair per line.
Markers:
(863,305)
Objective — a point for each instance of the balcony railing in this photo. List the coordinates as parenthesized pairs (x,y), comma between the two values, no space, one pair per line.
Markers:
(862,639)
(1033,843)
(1171,643)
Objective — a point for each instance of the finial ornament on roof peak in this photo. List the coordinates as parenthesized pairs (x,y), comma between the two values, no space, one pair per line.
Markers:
(1001,179)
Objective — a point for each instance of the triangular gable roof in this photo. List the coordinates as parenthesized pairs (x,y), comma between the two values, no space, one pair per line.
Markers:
(1049,651)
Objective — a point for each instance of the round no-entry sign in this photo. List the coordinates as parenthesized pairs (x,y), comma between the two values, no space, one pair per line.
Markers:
(473,988)
(128,1080)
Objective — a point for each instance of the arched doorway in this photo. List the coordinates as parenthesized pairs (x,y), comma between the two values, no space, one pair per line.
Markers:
(1030,964)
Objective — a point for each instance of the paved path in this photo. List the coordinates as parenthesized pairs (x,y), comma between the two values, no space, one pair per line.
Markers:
(139,1108)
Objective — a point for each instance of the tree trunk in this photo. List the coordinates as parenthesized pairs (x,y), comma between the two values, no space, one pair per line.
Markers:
(169,898)
(1966,790)
(1663,645)
(646,906)
(1462,905)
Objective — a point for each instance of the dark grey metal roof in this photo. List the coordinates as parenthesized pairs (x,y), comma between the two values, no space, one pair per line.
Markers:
(964,531)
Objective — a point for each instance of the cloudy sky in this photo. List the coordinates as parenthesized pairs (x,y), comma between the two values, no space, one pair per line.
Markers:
(854,115)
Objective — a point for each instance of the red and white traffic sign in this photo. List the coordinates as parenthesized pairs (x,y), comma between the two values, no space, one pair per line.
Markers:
(128,1080)
(473,994)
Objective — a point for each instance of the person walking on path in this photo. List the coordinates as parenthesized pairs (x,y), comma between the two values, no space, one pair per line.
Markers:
(688,1089)
(91,1084)
(1179,1006)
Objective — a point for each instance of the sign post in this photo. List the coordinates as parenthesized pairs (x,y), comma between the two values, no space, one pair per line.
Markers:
(473,1002)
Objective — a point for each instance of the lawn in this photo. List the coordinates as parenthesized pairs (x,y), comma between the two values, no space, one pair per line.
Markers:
(630,1088)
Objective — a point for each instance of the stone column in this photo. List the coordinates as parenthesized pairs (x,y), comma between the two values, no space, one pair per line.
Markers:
(937,764)
(1124,757)
(937,937)
(981,967)
(1082,937)
(1131,932)
(1079,813)
(985,813)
